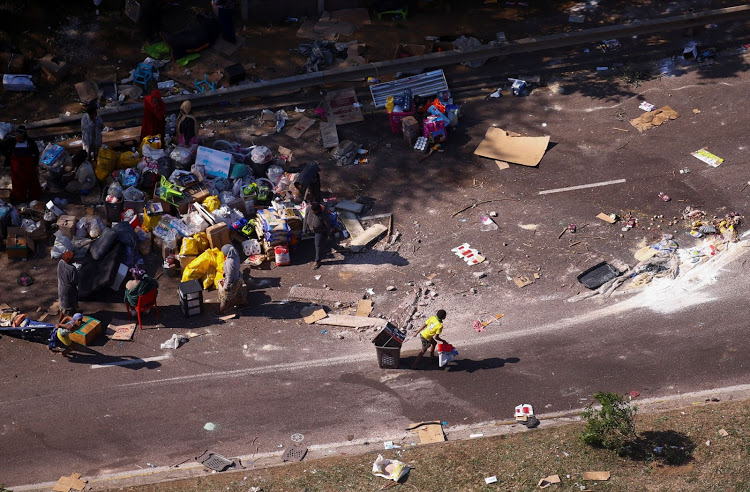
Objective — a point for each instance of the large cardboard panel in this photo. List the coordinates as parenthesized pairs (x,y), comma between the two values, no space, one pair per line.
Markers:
(526,151)
(300,127)
(329,133)
(342,107)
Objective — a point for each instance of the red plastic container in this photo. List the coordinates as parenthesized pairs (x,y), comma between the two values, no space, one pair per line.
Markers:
(396,120)
(444,347)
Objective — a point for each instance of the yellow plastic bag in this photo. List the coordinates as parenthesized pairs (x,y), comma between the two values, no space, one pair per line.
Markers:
(150,221)
(208,268)
(202,241)
(211,203)
(106,162)
(127,159)
(154,141)
(189,247)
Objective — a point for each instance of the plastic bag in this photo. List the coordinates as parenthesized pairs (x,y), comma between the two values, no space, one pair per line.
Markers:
(189,247)
(133,194)
(153,153)
(275,173)
(104,244)
(390,469)
(144,240)
(198,170)
(150,221)
(106,162)
(153,141)
(86,176)
(125,234)
(183,156)
(128,159)
(211,203)
(261,154)
(208,268)
(130,177)
(115,190)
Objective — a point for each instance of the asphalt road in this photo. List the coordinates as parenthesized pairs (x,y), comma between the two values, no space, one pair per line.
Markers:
(267,375)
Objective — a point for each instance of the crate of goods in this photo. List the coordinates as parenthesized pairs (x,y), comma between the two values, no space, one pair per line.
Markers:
(191,297)
(17,243)
(218,235)
(396,118)
(67,225)
(88,331)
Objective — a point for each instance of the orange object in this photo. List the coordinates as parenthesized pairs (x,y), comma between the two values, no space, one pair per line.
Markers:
(145,302)
(438,105)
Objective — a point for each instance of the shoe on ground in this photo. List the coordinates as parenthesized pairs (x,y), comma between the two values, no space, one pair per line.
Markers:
(316,265)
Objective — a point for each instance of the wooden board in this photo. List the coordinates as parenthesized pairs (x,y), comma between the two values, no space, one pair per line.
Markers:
(329,133)
(351,321)
(317,315)
(351,223)
(324,295)
(606,218)
(370,235)
(501,145)
(364,308)
(300,127)
(108,138)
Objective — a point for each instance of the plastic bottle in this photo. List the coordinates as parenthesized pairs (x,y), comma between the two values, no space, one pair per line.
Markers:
(389,103)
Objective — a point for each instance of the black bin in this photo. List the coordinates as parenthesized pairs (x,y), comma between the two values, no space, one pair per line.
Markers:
(388,346)
(598,275)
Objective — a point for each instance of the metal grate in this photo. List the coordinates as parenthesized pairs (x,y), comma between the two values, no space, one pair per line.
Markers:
(295,453)
(424,84)
(214,461)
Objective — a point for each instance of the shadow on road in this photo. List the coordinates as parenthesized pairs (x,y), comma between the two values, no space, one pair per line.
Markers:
(460,364)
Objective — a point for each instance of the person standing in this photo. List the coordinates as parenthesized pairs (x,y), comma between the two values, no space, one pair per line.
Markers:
(231,287)
(308,183)
(60,335)
(154,116)
(67,285)
(91,130)
(224,10)
(186,125)
(23,155)
(318,221)
(429,335)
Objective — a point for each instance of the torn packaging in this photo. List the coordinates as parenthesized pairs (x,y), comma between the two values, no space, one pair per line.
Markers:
(507,146)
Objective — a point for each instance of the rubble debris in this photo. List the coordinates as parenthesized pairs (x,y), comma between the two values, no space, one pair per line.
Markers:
(654,118)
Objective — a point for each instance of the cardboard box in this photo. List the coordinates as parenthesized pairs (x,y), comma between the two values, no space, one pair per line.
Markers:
(185,260)
(67,225)
(215,162)
(197,192)
(17,243)
(218,235)
(88,332)
(410,127)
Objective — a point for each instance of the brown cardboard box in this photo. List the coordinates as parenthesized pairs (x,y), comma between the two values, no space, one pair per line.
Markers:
(197,193)
(410,127)
(17,243)
(88,332)
(218,235)
(67,225)
(185,260)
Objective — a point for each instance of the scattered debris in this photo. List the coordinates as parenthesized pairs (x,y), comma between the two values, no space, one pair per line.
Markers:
(324,295)
(317,315)
(489,480)
(547,481)
(522,281)
(707,157)
(654,118)
(391,469)
(120,329)
(723,433)
(73,482)
(214,461)
(609,218)
(468,254)
(428,432)
(175,342)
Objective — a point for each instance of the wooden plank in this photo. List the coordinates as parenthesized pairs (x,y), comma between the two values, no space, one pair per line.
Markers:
(364,308)
(324,295)
(108,138)
(351,321)
(370,235)
(351,223)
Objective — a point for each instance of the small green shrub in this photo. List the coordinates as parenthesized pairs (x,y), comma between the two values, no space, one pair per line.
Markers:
(612,426)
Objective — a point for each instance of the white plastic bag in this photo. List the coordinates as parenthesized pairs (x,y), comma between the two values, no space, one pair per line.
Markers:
(174,342)
(275,173)
(261,154)
(86,176)
(62,244)
(390,469)
(133,194)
